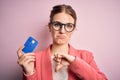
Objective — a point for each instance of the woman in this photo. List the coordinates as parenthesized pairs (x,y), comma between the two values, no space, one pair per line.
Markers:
(60,61)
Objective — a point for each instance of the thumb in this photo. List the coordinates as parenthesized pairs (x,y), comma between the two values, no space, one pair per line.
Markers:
(19,51)
(58,67)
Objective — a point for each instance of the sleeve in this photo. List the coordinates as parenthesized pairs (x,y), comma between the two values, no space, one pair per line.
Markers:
(34,76)
(86,70)
(30,77)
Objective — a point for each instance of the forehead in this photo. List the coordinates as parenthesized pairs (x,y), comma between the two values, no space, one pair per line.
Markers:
(63,17)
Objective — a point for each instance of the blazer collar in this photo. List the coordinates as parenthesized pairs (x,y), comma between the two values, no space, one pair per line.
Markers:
(47,63)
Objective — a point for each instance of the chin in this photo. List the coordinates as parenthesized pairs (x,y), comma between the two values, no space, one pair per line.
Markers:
(61,42)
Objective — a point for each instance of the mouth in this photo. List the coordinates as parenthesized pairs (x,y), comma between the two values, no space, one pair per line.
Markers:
(61,37)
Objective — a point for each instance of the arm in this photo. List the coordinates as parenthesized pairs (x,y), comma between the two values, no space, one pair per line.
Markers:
(30,77)
(37,71)
(86,69)
(27,62)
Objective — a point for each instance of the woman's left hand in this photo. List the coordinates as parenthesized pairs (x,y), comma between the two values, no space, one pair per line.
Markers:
(63,60)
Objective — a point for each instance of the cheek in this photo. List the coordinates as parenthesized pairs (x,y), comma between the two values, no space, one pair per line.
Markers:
(54,34)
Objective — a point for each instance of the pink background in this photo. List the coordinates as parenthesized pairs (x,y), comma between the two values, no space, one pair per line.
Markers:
(98,30)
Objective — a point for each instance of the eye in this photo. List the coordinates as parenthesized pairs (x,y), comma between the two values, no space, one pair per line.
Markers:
(70,26)
(56,24)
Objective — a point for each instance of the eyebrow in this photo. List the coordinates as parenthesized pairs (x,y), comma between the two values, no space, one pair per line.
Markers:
(62,23)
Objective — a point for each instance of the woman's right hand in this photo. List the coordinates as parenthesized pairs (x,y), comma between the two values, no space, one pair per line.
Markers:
(26,61)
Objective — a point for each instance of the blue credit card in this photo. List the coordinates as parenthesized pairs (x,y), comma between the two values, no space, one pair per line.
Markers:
(30,45)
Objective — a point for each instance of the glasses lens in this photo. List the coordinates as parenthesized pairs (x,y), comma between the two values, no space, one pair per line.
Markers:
(56,25)
(69,27)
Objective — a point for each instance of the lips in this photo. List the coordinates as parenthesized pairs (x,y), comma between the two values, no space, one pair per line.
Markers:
(61,37)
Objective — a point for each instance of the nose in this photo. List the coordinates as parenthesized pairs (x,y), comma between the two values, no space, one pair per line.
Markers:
(62,29)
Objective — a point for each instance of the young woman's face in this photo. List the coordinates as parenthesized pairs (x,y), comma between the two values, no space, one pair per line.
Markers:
(61,36)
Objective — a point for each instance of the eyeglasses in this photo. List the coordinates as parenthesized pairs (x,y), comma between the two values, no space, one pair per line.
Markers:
(69,27)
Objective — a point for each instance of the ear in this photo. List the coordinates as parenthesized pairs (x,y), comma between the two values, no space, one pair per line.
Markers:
(49,26)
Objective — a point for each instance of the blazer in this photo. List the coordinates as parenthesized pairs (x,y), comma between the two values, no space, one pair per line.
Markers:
(82,68)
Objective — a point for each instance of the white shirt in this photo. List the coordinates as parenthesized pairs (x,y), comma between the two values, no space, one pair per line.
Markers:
(62,74)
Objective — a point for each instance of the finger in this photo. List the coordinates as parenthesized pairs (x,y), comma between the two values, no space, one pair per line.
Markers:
(29,60)
(26,61)
(58,60)
(68,57)
(25,57)
(57,55)
(19,51)
(30,54)
(58,67)
(64,55)
(65,63)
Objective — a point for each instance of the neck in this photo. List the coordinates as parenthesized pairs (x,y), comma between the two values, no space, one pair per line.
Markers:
(59,49)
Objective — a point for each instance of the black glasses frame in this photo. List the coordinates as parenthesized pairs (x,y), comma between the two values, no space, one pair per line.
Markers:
(61,25)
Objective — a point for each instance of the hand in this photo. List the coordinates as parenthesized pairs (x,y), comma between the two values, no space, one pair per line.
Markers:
(26,61)
(63,60)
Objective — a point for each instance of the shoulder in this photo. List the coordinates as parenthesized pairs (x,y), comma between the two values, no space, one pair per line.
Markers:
(85,55)
(41,53)
(80,52)
(84,52)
